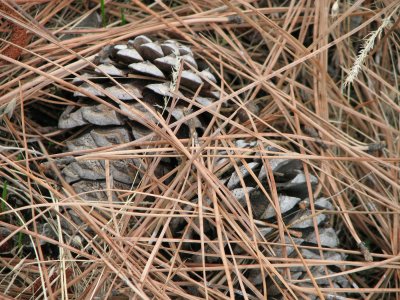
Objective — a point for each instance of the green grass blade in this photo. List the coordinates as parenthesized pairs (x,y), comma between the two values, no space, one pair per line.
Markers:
(4,194)
(103,13)
(123,19)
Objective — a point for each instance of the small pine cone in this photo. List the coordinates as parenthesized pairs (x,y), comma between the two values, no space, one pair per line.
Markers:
(141,69)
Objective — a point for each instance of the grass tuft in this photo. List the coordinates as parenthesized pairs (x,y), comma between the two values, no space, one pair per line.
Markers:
(366,48)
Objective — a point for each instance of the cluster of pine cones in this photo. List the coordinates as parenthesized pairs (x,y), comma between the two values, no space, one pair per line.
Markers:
(138,82)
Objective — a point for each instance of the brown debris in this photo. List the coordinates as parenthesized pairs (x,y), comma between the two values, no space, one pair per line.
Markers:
(19,36)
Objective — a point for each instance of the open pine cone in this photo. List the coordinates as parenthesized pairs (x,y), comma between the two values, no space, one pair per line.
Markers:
(290,182)
(138,70)
(140,80)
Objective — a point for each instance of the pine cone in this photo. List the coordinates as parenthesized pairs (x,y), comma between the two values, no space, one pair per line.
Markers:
(138,70)
(146,76)
(291,184)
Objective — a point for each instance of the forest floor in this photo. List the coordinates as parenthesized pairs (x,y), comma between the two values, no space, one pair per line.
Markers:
(288,189)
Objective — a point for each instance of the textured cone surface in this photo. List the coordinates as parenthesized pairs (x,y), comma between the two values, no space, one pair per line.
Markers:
(294,206)
(295,211)
(143,76)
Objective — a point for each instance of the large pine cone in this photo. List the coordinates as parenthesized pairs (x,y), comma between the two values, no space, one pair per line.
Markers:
(152,72)
(147,77)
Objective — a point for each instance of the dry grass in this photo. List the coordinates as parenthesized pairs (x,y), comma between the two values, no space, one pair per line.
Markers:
(291,58)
